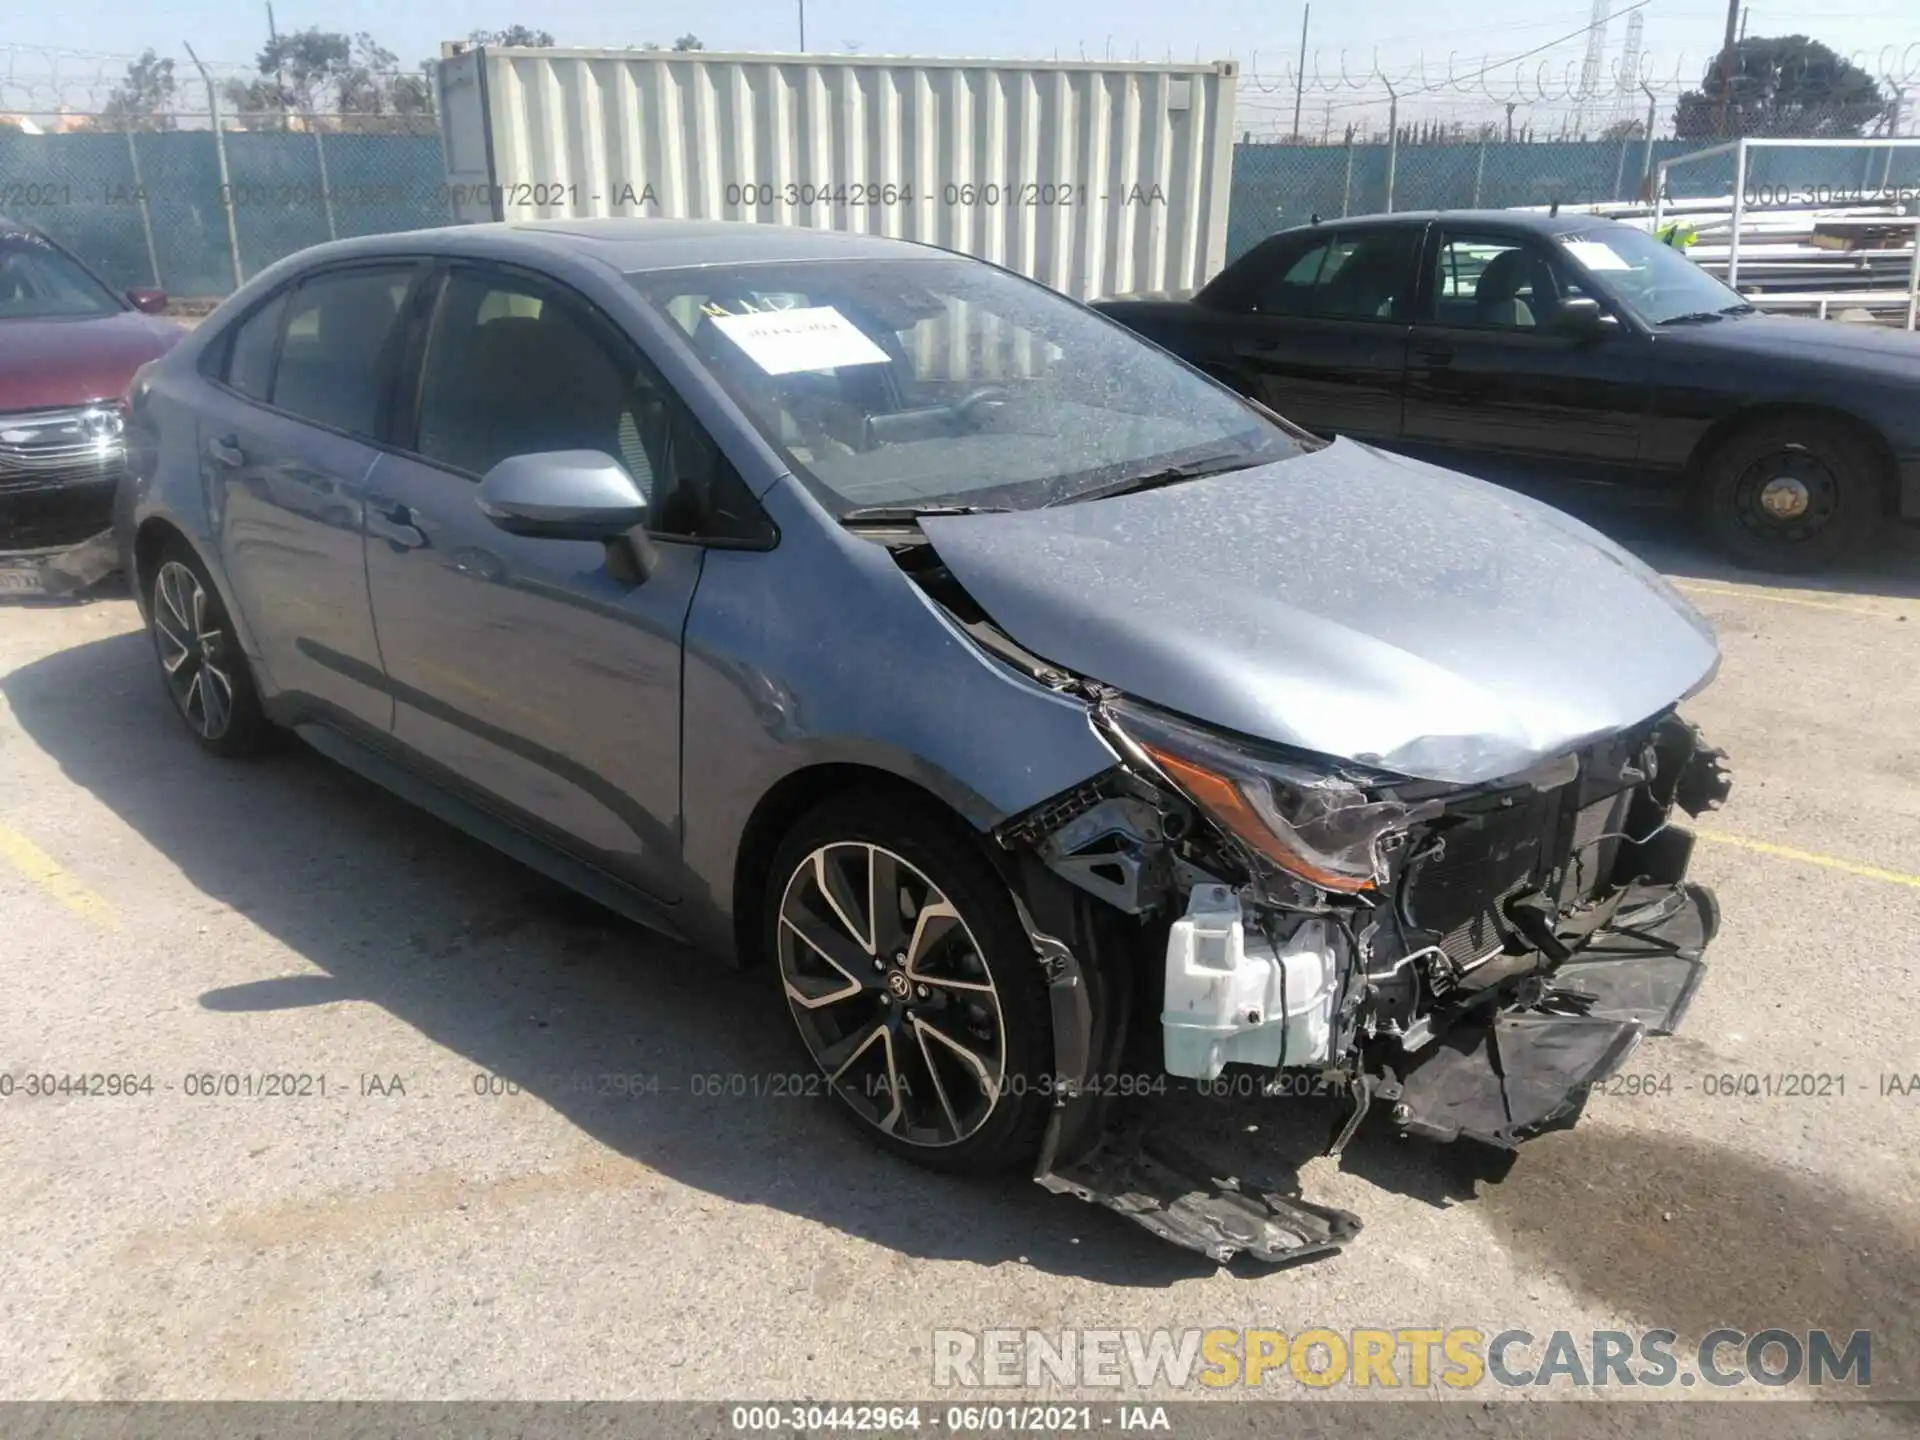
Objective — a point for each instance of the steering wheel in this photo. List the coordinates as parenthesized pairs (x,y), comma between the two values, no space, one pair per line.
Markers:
(985,395)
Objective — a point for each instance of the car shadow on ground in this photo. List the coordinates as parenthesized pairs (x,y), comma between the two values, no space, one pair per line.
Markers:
(548,992)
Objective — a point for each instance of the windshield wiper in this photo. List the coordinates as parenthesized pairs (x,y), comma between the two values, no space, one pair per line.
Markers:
(1155,479)
(1740,307)
(907,514)
(1694,317)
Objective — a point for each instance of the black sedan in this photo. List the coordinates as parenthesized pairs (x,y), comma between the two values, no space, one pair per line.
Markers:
(1529,348)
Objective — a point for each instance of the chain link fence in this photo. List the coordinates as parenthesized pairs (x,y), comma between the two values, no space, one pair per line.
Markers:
(196,211)
(1278,185)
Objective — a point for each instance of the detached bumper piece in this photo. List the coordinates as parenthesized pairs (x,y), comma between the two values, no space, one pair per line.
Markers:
(1156,1185)
(61,570)
(1504,1081)
(1523,1071)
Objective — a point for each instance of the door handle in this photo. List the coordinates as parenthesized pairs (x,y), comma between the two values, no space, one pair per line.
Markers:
(395,523)
(1434,354)
(227,451)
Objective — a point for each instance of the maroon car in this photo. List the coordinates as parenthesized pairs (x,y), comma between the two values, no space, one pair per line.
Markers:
(69,344)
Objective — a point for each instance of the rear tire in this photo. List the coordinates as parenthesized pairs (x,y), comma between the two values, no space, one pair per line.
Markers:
(930,1018)
(202,666)
(1793,494)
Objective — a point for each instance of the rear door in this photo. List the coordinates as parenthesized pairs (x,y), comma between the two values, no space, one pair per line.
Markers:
(527,675)
(1322,325)
(1492,388)
(287,440)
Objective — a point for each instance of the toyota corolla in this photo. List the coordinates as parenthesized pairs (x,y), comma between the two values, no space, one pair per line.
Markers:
(1055,728)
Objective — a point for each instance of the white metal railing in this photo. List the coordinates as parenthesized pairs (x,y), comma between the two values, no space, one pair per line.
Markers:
(1740,149)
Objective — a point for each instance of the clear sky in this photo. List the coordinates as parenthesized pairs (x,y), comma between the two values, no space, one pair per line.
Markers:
(1679,33)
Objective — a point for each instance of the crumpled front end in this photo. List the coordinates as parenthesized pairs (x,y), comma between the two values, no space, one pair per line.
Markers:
(1464,961)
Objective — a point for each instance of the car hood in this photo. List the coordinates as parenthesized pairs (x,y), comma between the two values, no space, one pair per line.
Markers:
(45,364)
(1800,337)
(1347,602)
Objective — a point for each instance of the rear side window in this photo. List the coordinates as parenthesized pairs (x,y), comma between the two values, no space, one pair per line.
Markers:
(250,350)
(1363,275)
(333,358)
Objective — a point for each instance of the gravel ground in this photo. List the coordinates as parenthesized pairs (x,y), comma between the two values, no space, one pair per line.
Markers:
(410,1234)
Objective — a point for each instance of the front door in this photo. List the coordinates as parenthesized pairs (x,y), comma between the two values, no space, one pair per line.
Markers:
(523,671)
(1493,388)
(285,451)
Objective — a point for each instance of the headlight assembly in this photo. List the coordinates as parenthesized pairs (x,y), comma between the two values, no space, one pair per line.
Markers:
(1312,823)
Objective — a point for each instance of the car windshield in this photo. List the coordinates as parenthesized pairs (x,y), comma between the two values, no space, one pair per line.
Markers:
(38,282)
(933,383)
(1655,281)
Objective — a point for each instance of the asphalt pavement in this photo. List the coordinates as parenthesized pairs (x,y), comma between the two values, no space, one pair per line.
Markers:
(519,1149)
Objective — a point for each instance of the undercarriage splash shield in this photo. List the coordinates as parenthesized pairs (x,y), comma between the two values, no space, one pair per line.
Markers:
(1155,1184)
(1504,1080)
(1646,965)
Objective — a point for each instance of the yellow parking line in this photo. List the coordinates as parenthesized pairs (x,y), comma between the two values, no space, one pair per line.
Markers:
(1695,587)
(41,868)
(1809,857)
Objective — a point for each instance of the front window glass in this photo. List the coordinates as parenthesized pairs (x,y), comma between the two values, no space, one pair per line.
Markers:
(41,282)
(1496,282)
(918,383)
(1655,281)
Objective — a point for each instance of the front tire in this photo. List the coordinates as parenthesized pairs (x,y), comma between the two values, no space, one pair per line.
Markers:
(1793,494)
(201,663)
(911,983)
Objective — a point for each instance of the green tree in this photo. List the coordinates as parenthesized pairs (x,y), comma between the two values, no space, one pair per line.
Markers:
(1785,85)
(689,42)
(144,99)
(324,79)
(518,37)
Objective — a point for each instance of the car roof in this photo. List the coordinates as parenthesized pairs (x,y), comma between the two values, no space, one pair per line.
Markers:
(1539,222)
(633,245)
(10,226)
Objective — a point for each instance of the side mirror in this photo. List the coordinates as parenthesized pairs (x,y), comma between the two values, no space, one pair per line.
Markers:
(148,300)
(573,495)
(562,495)
(1580,315)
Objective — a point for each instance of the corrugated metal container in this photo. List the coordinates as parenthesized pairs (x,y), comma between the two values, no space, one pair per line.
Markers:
(1097,179)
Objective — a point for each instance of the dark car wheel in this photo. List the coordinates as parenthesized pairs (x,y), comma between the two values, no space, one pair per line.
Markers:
(911,983)
(1793,494)
(205,671)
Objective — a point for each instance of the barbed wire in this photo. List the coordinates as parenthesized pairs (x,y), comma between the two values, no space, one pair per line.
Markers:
(51,82)
(1527,81)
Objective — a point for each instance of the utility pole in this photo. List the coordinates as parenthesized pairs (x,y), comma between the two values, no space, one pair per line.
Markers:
(1726,68)
(273,40)
(1300,72)
(803,27)
(1510,105)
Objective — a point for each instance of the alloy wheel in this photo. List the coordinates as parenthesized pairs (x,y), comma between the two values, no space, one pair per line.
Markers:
(194,650)
(891,994)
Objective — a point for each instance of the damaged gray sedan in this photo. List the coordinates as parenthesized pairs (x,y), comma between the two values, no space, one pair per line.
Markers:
(1057,729)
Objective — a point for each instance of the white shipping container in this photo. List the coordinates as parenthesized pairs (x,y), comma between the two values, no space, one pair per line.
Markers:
(1097,179)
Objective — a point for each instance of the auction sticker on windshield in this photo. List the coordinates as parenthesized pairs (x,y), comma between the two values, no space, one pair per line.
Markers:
(783,342)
